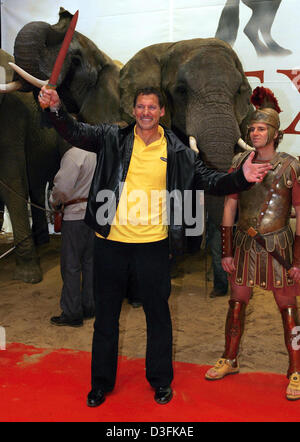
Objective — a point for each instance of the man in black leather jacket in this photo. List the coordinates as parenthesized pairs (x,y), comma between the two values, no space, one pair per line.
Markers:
(141,156)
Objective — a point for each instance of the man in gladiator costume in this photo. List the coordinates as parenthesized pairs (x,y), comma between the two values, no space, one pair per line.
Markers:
(263,251)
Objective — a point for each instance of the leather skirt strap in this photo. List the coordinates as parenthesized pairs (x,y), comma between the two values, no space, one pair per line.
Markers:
(75,201)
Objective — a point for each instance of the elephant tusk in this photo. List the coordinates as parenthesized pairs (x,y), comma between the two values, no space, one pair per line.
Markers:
(244,145)
(30,78)
(10,87)
(241,143)
(193,144)
(118,63)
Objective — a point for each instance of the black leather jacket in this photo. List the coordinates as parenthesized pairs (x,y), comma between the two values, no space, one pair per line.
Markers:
(113,145)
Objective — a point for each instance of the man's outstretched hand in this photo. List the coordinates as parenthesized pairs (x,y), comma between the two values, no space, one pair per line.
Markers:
(255,172)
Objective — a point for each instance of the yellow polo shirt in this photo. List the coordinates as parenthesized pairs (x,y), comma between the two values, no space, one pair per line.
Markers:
(141,214)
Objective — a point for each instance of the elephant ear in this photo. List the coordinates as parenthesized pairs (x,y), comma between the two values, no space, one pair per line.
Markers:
(102,101)
(243,107)
(60,28)
(142,70)
(6,72)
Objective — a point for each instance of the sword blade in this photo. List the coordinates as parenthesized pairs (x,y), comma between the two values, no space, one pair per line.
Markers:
(63,51)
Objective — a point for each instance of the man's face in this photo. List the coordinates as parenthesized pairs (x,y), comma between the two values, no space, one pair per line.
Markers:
(147,112)
(259,134)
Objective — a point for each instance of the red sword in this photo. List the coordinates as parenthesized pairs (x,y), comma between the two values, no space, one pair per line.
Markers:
(62,54)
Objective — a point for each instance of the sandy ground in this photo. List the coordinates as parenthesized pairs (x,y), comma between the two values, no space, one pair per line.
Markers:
(198,321)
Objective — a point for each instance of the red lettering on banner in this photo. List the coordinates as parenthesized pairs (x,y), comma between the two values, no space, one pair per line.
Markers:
(258,74)
(293,75)
(292,128)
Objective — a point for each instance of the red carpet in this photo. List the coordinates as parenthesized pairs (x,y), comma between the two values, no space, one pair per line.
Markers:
(45,385)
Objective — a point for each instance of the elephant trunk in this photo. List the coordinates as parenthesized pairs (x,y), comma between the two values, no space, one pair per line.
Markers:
(216,133)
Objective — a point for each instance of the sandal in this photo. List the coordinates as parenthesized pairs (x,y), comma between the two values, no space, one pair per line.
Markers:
(222,368)
(294,386)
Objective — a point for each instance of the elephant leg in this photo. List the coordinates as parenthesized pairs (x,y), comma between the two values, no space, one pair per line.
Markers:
(265,28)
(40,171)
(27,264)
(262,20)
(40,230)
(253,26)
(229,22)
(1,214)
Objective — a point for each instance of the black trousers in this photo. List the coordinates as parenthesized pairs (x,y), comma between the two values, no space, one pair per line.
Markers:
(76,264)
(115,263)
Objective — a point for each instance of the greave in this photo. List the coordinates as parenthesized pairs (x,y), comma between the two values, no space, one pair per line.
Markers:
(292,337)
(234,328)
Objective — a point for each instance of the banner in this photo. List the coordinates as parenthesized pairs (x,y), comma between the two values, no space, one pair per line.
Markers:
(264,34)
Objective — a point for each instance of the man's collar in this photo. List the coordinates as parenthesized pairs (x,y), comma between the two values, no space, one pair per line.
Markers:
(160,130)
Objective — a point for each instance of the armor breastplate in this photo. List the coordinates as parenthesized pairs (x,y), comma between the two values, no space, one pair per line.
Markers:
(277,214)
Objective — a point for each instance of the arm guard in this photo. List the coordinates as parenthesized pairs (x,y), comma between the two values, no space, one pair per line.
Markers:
(227,242)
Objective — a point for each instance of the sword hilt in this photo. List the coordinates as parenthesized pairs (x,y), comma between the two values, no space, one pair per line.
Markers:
(48,86)
(252,232)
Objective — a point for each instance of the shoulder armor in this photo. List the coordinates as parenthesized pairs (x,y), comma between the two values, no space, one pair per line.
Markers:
(294,167)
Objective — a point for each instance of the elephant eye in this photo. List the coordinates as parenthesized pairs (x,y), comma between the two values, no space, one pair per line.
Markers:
(180,89)
(76,61)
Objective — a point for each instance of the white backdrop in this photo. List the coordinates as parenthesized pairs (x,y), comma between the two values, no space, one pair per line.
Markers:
(122,27)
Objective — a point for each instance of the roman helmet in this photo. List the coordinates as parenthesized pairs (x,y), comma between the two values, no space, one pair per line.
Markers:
(267,111)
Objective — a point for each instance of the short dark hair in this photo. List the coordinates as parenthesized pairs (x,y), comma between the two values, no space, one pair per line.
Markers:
(148,90)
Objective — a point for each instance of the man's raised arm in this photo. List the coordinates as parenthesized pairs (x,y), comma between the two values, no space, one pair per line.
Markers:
(82,135)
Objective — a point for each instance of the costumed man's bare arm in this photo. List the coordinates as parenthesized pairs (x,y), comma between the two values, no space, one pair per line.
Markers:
(230,209)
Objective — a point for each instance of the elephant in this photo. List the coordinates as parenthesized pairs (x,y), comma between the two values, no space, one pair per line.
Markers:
(206,92)
(29,157)
(30,151)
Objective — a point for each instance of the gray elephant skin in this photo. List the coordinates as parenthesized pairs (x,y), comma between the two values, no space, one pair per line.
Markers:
(89,80)
(206,92)
(29,157)
(29,151)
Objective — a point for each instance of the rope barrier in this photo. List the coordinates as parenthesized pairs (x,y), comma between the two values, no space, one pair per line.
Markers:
(27,202)
(24,199)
